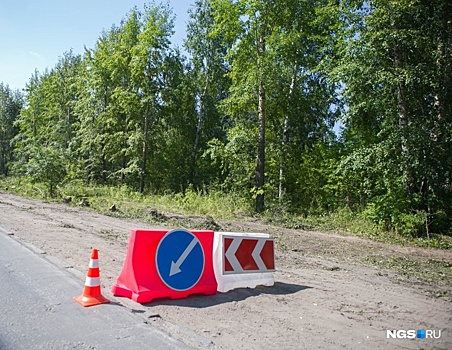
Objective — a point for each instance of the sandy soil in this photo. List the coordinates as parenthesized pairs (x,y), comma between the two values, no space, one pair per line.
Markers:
(325,295)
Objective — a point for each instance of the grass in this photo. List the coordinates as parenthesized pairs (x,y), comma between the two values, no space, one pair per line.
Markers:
(346,222)
(216,204)
(432,271)
(132,204)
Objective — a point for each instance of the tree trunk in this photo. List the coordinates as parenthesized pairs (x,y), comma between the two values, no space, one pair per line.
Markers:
(403,120)
(282,160)
(103,158)
(443,94)
(102,144)
(198,130)
(124,147)
(260,168)
(68,128)
(145,150)
(3,161)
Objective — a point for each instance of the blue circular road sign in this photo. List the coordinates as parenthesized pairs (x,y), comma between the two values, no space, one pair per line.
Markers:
(179,259)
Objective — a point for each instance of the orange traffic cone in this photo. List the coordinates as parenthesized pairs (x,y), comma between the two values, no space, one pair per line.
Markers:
(92,294)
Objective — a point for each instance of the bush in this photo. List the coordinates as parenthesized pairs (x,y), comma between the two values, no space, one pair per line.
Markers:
(47,166)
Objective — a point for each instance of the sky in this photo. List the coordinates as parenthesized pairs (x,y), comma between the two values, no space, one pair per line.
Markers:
(35,33)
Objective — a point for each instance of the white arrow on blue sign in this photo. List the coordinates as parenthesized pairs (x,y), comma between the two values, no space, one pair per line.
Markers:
(180,260)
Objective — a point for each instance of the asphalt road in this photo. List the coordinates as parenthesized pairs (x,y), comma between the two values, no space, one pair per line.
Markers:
(37,310)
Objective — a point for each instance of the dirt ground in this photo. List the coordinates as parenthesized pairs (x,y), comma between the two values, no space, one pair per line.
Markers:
(325,295)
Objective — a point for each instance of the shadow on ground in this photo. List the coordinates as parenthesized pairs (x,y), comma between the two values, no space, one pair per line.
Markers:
(202,301)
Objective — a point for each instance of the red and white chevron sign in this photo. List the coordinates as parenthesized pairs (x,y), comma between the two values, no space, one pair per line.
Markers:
(246,254)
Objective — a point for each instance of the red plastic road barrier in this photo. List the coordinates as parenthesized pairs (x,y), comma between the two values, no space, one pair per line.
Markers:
(244,254)
(167,264)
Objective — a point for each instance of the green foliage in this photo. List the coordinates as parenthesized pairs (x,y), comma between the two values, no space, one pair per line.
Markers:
(394,86)
(11,103)
(47,166)
(235,159)
(250,114)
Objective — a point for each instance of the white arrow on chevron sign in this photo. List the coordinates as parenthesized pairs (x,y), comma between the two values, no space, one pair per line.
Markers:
(248,254)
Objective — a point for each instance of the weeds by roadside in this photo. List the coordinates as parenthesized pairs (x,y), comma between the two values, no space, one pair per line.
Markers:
(346,222)
(432,271)
(194,209)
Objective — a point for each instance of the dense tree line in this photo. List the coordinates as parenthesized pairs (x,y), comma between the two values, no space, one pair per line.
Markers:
(251,108)
(11,103)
